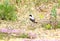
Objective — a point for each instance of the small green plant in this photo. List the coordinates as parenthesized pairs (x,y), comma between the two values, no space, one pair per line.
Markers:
(20,36)
(53,17)
(58,3)
(23,36)
(58,25)
(53,12)
(2,35)
(7,11)
(41,16)
(48,26)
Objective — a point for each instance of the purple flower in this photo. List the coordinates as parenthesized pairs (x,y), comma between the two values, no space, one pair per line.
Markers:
(4,30)
(12,31)
(32,35)
(15,31)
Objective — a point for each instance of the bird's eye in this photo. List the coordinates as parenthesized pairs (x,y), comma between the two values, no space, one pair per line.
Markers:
(30,15)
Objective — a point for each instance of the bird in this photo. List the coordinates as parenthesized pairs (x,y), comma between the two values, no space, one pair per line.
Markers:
(32,19)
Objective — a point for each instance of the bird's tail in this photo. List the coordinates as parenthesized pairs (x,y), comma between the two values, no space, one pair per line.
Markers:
(35,22)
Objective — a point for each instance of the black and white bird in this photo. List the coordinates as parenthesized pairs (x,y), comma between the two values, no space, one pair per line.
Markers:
(32,19)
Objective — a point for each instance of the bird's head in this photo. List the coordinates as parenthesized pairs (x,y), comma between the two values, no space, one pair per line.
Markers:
(30,15)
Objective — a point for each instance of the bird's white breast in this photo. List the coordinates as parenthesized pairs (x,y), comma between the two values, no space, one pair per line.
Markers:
(32,18)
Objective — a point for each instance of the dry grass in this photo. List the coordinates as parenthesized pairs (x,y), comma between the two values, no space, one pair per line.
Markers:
(24,9)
